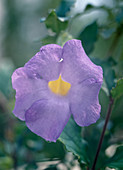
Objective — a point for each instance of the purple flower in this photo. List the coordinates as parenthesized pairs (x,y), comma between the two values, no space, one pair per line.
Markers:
(55,84)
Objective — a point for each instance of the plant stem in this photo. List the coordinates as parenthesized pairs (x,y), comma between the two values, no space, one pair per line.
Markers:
(103,132)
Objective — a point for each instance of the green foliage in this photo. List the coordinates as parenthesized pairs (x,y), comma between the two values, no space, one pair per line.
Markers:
(108,71)
(117,116)
(64,7)
(58,28)
(92,135)
(63,38)
(89,37)
(107,33)
(118,90)
(54,23)
(109,74)
(119,16)
(71,138)
(116,161)
(6,69)
(6,163)
(48,40)
(104,101)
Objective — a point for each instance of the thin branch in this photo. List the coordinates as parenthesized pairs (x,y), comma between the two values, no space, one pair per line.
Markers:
(103,132)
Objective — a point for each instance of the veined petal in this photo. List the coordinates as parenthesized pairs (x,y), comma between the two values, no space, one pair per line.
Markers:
(46,62)
(84,103)
(76,66)
(28,90)
(47,118)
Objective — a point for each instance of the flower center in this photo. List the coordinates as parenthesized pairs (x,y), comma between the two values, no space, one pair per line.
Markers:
(59,86)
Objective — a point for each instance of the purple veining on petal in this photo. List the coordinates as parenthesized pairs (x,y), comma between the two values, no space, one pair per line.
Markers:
(76,64)
(45,113)
(84,102)
(28,90)
(47,118)
(46,62)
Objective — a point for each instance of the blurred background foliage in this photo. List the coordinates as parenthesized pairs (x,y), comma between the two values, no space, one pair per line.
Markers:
(25,26)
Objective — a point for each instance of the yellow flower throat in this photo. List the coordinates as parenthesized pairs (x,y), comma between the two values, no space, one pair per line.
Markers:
(59,86)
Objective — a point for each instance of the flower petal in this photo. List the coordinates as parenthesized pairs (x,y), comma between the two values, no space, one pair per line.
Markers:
(46,62)
(28,90)
(76,66)
(47,118)
(84,102)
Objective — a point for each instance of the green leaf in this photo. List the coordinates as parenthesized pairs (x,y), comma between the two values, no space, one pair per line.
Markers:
(102,47)
(6,163)
(117,160)
(89,37)
(119,68)
(107,32)
(118,90)
(117,116)
(6,70)
(31,165)
(71,138)
(104,102)
(54,23)
(119,17)
(108,72)
(92,135)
